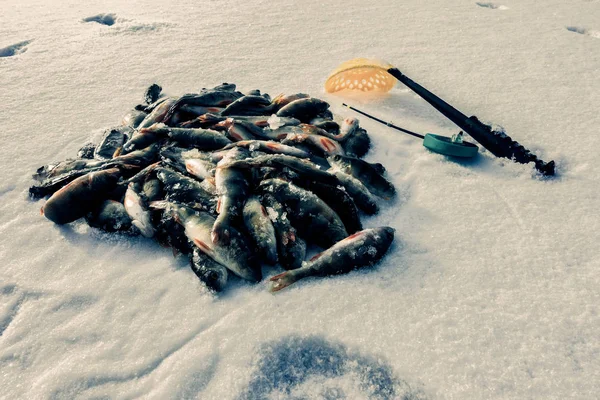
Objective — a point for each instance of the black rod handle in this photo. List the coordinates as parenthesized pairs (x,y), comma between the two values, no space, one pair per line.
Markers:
(498,143)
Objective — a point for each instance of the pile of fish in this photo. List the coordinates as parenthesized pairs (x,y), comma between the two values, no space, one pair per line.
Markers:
(232,180)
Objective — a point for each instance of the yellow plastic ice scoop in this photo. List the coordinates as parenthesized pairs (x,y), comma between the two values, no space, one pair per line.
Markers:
(361,74)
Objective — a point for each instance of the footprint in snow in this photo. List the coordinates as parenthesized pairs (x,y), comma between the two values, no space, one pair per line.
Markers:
(102,19)
(13,298)
(298,367)
(15,49)
(583,31)
(124,26)
(138,28)
(492,6)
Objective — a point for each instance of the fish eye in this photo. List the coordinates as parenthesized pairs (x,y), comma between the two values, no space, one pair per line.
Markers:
(212,276)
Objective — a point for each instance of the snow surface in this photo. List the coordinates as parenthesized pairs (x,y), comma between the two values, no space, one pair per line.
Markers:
(491,290)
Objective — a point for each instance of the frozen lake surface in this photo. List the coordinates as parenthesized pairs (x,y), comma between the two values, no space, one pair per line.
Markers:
(491,290)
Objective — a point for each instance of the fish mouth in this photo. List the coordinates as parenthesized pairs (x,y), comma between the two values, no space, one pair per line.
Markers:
(389,232)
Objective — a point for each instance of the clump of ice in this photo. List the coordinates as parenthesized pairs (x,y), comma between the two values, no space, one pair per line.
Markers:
(273,215)
(275,122)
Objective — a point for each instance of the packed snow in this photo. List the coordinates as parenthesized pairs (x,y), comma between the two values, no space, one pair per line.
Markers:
(490,290)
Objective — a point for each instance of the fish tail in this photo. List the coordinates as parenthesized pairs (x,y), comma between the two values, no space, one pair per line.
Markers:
(281,281)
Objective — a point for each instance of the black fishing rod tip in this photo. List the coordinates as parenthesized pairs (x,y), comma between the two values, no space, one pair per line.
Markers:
(395,72)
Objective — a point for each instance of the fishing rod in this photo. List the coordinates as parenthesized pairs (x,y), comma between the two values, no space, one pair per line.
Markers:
(454,146)
(497,142)
(362,74)
(384,122)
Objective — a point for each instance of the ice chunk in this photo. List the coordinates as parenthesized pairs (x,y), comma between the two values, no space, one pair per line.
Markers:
(275,122)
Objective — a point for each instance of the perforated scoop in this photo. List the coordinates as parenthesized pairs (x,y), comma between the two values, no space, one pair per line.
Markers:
(361,74)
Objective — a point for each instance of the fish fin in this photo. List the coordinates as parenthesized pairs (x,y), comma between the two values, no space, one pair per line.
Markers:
(235,136)
(117,152)
(145,230)
(273,146)
(313,258)
(127,167)
(42,211)
(205,248)
(328,144)
(220,236)
(277,99)
(159,204)
(281,281)
(355,235)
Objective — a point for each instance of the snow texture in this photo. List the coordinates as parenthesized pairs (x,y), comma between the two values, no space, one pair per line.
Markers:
(490,291)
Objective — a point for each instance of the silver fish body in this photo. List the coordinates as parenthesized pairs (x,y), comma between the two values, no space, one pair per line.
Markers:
(111,141)
(291,249)
(248,105)
(326,124)
(321,144)
(260,227)
(206,98)
(200,168)
(144,138)
(196,111)
(339,201)
(133,119)
(303,109)
(204,139)
(210,272)
(359,193)
(270,146)
(359,250)
(63,167)
(366,173)
(55,183)
(185,190)
(235,256)
(137,208)
(141,158)
(210,98)
(238,131)
(305,168)
(158,114)
(80,196)
(233,187)
(314,219)
(283,100)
